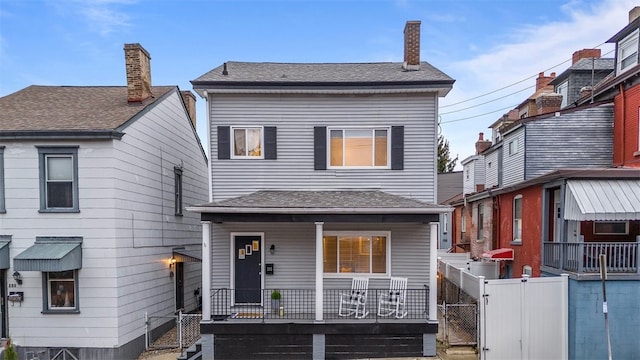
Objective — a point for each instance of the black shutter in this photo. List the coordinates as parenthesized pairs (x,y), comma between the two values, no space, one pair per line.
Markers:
(224,143)
(397,147)
(270,143)
(320,148)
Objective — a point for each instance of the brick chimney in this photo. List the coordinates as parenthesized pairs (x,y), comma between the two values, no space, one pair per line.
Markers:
(482,144)
(138,63)
(412,45)
(542,81)
(190,103)
(634,13)
(548,102)
(585,54)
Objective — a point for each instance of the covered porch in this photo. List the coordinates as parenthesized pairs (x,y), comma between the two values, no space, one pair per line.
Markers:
(309,247)
(602,217)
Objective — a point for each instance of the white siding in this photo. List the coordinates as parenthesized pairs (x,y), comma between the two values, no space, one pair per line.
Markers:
(479,172)
(491,169)
(469,170)
(513,164)
(295,117)
(127,224)
(294,259)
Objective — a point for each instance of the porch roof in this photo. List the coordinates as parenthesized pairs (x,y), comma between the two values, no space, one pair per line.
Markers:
(317,205)
(604,200)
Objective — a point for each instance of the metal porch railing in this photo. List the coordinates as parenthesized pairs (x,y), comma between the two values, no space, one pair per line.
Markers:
(582,257)
(299,305)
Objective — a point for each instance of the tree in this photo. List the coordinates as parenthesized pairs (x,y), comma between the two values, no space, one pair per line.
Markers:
(445,162)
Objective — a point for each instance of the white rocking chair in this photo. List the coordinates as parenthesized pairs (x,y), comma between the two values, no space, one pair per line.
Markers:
(393,302)
(354,303)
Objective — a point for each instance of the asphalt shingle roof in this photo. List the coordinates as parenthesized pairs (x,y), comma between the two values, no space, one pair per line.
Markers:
(69,108)
(266,72)
(301,200)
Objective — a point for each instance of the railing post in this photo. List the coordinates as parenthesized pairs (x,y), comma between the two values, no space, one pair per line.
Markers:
(433,270)
(206,270)
(319,272)
(580,259)
(637,259)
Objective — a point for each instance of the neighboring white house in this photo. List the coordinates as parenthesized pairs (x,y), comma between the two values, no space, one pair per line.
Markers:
(94,180)
(321,173)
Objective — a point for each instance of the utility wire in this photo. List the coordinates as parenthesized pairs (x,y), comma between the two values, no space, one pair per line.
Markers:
(487,102)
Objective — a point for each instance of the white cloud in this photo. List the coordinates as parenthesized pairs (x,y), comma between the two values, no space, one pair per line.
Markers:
(532,49)
(101,16)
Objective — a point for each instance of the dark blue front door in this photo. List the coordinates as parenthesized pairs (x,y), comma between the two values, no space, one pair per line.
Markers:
(248,250)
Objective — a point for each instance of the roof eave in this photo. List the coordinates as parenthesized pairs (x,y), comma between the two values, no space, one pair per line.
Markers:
(61,134)
(264,210)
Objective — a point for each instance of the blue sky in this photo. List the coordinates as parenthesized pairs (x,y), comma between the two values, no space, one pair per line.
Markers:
(494,47)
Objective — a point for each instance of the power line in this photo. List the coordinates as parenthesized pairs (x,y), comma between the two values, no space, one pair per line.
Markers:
(478,115)
(487,102)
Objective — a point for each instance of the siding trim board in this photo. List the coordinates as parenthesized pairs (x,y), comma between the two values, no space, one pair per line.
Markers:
(310,218)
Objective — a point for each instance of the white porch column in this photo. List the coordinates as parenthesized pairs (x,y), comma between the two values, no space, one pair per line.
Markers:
(206,271)
(319,271)
(433,270)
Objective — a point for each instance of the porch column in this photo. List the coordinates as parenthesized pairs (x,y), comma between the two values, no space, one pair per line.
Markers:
(433,270)
(206,271)
(319,271)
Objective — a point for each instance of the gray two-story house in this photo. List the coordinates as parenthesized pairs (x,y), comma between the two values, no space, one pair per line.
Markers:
(321,173)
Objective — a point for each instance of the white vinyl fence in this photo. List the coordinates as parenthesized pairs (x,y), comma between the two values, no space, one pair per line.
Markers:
(523,318)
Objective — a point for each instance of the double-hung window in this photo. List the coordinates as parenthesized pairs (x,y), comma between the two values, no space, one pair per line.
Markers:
(628,52)
(517,219)
(62,290)
(177,178)
(513,147)
(246,143)
(58,179)
(563,89)
(480,222)
(348,252)
(359,147)
(2,205)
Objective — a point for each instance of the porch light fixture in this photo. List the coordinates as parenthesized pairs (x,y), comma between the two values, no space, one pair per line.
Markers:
(17,277)
(172,263)
(272,249)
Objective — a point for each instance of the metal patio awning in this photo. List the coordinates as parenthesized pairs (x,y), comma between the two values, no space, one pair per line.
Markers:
(50,256)
(604,200)
(182,255)
(498,254)
(4,254)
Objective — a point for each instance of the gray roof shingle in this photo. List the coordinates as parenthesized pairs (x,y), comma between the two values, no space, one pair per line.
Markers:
(320,201)
(330,73)
(70,108)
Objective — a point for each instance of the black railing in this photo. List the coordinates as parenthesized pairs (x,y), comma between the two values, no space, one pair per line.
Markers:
(338,304)
(583,257)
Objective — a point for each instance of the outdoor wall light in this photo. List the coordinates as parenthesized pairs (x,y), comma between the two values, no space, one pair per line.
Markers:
(172,263)
(272,249)
(17,277)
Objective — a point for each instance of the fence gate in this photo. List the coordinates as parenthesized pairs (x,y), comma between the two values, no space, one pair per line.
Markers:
(459,324)
(167,332)
(524,318)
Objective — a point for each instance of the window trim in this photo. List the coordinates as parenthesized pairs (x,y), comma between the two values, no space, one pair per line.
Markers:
(232,140)
(629,40)
(515,239)
(463,222)
(386,234)
(626,227)
(3,208)
(480,222)
(373,130)
(513,146)
(563,89)
(43,152)
(46,302)
(177,190)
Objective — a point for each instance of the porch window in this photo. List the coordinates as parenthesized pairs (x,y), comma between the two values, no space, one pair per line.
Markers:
(359,147)
(517,219)
(611,228)
(356,253)
(246,142)
(61,290)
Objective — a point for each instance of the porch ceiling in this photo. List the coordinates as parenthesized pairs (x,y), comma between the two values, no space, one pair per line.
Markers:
(603,200)
(303,206)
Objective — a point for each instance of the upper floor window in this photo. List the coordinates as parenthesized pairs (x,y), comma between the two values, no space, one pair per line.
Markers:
(246,142)
(359,147)
(628,52)
(480,222)
(2,206)
(563,89)
(347,252)
(58,179)
(513,147)
(177,176)
(517,218)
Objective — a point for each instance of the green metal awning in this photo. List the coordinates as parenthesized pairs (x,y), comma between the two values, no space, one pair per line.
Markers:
(50,256)
(4,254)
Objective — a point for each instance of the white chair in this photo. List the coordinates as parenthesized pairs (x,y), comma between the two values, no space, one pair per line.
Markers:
(354,303)
(393,301)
